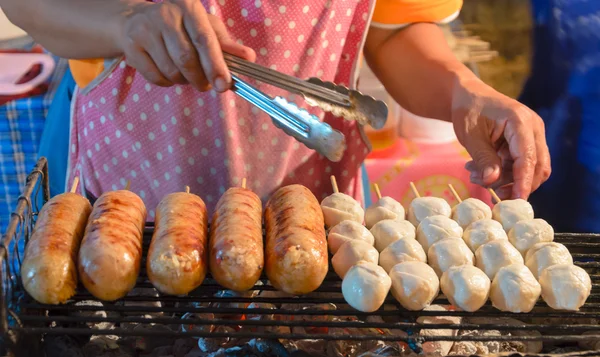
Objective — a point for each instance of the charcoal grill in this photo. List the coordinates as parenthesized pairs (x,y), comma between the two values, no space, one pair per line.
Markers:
(24,322)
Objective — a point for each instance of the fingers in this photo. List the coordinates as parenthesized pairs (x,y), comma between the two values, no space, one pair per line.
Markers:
(486,163)
(184,55)
(227,44)
(543,167)
(522,146)
(206,43)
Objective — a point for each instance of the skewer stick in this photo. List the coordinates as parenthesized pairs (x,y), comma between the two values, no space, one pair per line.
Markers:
(127,185)
(414,190)
(334,184)
(454,193)
(187,189)
(494,195)
(377,191)
(244,182)
(75,183)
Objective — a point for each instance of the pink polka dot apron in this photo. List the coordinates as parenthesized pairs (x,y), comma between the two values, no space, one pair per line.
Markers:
(162,139)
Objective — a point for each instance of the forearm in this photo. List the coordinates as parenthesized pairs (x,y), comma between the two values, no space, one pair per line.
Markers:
(72,28)
(417,67)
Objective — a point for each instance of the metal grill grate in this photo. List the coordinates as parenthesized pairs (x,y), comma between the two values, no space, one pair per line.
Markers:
(291,318)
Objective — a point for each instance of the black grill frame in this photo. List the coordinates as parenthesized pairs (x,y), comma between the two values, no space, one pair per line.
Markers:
(24,321)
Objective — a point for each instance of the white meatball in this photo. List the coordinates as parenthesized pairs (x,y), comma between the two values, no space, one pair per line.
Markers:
(483,231)
(565,286)
(546,254)
(515,289)
(496,254)
(466,287)
(434,228)
(402,250)
(447,253)
(510,212)
(351,253)
(469,211)
(340,207)
(423,207)
(388,231)
(414,285)
(384,208)
(366,286)
(346,231)
(525,234)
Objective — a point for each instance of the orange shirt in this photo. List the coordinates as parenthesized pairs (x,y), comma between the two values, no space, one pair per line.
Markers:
(393,14)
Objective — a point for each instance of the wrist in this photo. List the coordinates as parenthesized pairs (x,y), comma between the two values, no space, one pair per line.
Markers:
(119,22)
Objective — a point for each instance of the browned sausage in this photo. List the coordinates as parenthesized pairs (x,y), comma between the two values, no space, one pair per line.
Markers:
(177,262)
(111,250)
(236,241)
(49,270)
(296,249)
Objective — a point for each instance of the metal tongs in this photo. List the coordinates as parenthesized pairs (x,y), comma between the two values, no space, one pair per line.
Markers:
(299,123)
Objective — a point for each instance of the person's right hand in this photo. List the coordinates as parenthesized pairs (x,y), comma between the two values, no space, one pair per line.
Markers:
(178,42)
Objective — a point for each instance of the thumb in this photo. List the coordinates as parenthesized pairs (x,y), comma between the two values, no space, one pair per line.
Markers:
(486,162)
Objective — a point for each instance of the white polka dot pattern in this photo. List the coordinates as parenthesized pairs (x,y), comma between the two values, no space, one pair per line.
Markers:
(162,139)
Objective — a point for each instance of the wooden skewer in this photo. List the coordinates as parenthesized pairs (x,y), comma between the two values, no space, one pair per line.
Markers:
(494,195)
(334,184)
(244,182)
(414,190)
(377,191)
(454,193)
(127,185)
(74,185)
(187,189)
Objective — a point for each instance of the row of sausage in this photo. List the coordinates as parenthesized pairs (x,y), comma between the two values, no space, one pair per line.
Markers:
(101,246)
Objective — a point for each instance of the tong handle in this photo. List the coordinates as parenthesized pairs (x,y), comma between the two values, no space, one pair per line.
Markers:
(284,81)
(265,103)
(295,122)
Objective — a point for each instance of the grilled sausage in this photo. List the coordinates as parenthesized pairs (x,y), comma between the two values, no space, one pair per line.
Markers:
(296,249)
(111,250)
(236,242)
(176,262)
(49,270)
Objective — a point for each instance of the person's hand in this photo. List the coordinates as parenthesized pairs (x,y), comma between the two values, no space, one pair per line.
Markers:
(505,139)
(178,42)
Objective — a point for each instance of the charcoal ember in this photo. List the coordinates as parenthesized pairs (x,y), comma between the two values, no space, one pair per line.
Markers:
(260,317)
(463,348)
(95,314)
(107,346)
(152,302)
(477,347)
(564,350)
(591,344)
(196,352)
(212,344)
(131,325)
(149,343)
(387,351)
(189,327)
(512,346)
(62,346)
(438,348)
(254,348)
(162,351)
(183,345)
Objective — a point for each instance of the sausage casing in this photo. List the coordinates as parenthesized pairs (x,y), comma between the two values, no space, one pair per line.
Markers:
(111,250)
(49,270)
(236,241)
(177,261)
(296,247)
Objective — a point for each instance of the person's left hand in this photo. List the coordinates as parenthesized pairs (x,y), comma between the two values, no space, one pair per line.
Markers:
(505,139)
